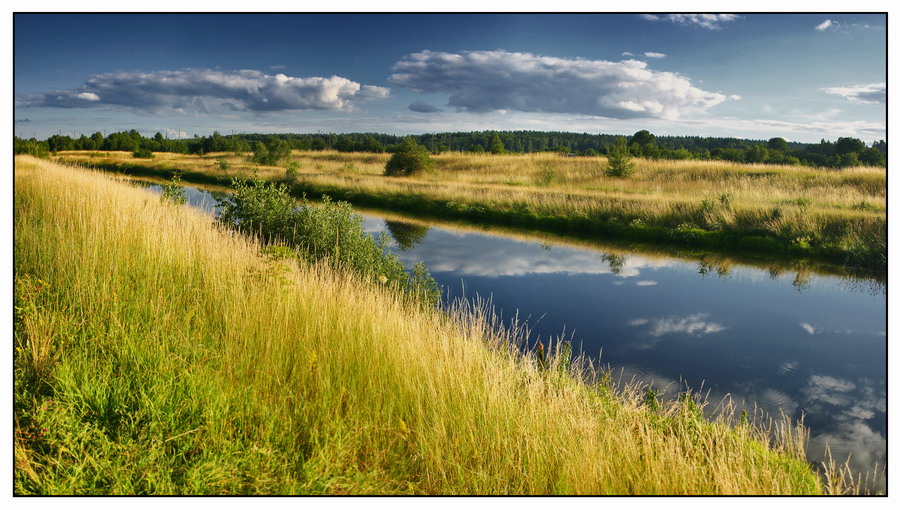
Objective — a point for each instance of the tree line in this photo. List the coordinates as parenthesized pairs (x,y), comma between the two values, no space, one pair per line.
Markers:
(842,153)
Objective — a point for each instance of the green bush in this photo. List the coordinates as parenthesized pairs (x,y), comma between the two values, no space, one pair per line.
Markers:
(270,153)
(290,170)
(329,231)
(142,153)
(31,147)
(619,162)
(409,158)
(174,191)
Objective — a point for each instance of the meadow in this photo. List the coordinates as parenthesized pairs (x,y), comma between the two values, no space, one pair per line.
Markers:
(157,352)
(800,212)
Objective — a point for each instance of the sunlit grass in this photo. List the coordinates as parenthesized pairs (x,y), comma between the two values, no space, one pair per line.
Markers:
(157,354)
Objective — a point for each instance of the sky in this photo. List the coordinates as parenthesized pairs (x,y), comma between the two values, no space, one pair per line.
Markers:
(803,77)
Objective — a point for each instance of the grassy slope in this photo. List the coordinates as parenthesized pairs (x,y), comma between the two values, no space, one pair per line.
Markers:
(836,215)
(155,353)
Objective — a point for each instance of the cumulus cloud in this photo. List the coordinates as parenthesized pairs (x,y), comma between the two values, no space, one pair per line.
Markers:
(708,21)
(204,90)
(808,328)
(825,25)
(423,107)
(488,81)
(874,93)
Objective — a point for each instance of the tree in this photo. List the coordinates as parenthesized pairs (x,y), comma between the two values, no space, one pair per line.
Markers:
(643,143)
(496,145)
(848,145)
(409,158)
(619,163)
(757,154)
(873,157)
(643,137)
(778,144)
(272,152)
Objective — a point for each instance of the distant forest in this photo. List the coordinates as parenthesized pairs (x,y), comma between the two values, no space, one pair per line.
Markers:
(842,153)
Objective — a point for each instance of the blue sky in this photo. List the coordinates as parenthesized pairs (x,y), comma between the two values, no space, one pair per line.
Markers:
(803,77)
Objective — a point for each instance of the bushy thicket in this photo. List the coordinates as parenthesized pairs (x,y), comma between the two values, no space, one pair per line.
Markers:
(329,231)
(31,147)
(409,158)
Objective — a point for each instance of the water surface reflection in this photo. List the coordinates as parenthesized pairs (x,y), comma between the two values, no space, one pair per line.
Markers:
(784,340)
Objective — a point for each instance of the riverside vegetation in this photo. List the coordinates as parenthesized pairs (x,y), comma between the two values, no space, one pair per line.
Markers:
(160,352)
(835,215)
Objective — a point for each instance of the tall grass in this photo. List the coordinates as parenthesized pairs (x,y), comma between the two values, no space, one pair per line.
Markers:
(839,215)
(156,353)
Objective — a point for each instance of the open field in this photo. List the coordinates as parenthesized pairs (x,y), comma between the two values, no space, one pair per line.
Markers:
(836,215)
(156,353)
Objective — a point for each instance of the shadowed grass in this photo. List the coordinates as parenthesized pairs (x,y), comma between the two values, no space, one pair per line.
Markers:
(156,353)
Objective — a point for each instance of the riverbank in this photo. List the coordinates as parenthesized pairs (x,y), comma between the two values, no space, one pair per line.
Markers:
(834,216)
(158,354)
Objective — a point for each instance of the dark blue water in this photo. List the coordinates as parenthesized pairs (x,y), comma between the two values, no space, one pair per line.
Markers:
(807,344)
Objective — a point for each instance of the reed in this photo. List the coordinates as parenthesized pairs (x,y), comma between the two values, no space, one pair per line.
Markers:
(156,353)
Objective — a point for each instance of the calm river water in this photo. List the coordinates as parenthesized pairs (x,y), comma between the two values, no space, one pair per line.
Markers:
(797,341)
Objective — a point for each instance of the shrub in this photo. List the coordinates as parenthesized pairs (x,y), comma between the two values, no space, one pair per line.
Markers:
(31,147)
(270,153)
(409,158)
(174,192)
(290,171)
(329,231)
(142,153)
(619,163)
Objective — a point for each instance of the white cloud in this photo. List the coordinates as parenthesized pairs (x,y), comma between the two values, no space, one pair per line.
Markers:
(645,283)
(829,390)
(695,325)
(825,25)
(175,133)
(811,130)
(203,90)
(491,81)
(708,21)
(653,54)
(88,96)
(873,93)
(808,327)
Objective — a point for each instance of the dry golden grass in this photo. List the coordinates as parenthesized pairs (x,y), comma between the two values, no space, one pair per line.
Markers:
(828,206)
(188,362)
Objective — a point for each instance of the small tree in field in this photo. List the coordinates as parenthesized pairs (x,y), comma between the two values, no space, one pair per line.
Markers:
(619,162)
(409,158)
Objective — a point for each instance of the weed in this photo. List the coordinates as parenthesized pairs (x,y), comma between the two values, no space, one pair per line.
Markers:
(173,191)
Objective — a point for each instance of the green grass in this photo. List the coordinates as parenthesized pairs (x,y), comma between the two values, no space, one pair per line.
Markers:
(156,353)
